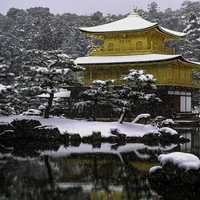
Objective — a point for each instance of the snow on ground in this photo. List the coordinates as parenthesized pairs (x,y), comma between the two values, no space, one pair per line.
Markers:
(185,161)
(85,128)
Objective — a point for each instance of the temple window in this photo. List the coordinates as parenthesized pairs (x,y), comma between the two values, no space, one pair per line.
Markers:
(139,45)
(110,46)
(124,41)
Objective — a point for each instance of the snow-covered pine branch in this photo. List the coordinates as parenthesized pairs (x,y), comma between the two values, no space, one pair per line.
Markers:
(101,94)
(137,93)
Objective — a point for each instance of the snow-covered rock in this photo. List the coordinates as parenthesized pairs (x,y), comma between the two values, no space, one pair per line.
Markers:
(168,130)
(181,160)
(154,169)
(178,174)
(168,122)
(141,116)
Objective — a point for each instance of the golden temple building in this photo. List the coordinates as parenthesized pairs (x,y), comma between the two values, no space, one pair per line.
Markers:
(135,43)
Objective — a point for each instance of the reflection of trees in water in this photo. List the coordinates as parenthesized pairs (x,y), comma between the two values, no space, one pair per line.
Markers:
(102,176)
(109,178)
(23,179)
(78,176)
(34,180)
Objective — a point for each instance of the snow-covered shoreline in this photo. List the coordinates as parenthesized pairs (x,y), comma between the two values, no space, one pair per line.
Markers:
(86,128)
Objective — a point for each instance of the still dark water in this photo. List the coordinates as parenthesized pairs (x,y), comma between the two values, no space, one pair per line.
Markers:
(106,172)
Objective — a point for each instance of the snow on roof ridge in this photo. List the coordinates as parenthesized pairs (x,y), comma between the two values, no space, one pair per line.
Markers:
(130,23)
(133,22)
(134,13)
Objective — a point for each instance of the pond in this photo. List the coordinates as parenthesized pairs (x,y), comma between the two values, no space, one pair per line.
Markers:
(106,171)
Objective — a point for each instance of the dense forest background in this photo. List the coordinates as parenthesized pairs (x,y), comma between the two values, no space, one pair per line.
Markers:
(38,28)
(34,34)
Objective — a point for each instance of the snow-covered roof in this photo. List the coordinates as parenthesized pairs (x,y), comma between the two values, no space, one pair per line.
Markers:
(124,59)
(130,59)
(132,22)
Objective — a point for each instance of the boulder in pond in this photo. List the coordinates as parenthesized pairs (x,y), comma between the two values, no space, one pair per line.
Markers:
(177,177)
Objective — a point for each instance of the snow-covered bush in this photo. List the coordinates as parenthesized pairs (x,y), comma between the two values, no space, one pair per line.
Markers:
(167,122)
(168,131)
(32,112)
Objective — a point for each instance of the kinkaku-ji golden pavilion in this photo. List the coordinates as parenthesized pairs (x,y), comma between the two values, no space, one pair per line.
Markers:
(135,43)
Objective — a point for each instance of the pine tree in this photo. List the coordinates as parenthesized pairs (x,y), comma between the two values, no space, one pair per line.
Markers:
(45,72)
(193,38)
(138,93)
(6,90)
(100,95)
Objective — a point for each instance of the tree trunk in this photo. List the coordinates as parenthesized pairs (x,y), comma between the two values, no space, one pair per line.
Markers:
(49,171)
(94,110)
(48,108)
(122,117)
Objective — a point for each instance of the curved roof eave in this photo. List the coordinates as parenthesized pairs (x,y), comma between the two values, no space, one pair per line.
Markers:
(196,64)
(125,59)
(171,32)
(160,28)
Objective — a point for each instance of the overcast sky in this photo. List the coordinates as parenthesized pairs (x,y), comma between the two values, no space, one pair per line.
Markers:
(87,6)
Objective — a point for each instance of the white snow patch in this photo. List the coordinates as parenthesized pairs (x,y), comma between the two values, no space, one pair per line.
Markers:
(3,88)
(185,161)
(32,112)
(168,130)
(168,121)
(141,116)
(86,128)
(154,169)
(63,93)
